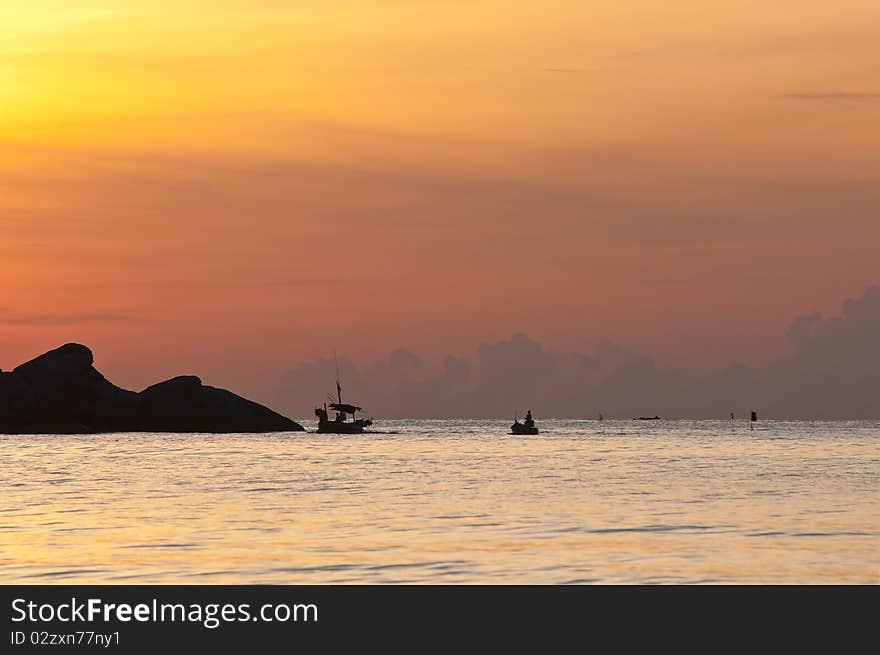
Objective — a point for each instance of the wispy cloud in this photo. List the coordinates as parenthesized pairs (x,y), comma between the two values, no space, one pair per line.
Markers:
(7,318)
(832,95)
(305,281)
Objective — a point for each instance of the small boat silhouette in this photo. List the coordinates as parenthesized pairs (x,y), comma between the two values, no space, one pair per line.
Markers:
(527,427)
(647,418)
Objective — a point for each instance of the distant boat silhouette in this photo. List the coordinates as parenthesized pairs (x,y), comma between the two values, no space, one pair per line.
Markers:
(526,427)
(647,418)
(340,425)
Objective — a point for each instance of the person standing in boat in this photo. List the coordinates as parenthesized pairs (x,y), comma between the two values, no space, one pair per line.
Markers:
(529,421)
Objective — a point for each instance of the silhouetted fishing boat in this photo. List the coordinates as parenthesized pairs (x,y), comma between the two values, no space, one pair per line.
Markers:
(647,418)
(340,424)
(527,427)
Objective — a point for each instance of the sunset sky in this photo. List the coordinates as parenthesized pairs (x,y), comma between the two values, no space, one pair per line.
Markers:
(227,187)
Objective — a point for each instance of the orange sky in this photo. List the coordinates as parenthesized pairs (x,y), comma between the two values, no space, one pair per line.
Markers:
(226,187)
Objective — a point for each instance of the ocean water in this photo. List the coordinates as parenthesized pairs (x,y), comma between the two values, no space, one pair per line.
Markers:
(454,501)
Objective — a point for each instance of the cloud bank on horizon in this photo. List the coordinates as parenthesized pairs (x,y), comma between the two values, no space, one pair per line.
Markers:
(830,372)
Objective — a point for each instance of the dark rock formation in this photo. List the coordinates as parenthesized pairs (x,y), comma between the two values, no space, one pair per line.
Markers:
(61,392)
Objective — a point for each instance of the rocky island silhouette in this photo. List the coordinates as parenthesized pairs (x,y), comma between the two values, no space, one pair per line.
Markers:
(61,392)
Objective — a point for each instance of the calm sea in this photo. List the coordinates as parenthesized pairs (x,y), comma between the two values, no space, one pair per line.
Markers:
(448,502)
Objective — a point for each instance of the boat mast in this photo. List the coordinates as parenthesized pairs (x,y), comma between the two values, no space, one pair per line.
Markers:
(338,386)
